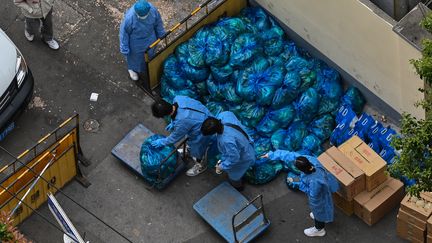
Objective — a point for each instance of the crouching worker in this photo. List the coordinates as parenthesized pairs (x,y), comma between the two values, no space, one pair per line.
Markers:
(318,185)
(187,117)
(233,143)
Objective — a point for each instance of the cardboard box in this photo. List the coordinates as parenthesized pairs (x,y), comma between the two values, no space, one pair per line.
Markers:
(372,206)
(351,178)
(410,208)
(429,226)
(367,160)
(346,206)
(411,219)
(409,232)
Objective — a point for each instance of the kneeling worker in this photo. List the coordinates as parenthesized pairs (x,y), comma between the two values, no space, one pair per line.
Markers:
(234,144)
(187,117)
(318,185)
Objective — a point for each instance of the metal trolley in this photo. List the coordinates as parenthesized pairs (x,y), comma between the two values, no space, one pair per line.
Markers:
(128,151)
(233,216)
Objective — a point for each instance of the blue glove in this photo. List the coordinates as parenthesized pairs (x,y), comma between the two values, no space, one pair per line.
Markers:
(170,127)
(157,143)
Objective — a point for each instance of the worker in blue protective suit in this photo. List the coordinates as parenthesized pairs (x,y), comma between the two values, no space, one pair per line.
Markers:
(141,26)
(234,144)
(318,185)
(187,116)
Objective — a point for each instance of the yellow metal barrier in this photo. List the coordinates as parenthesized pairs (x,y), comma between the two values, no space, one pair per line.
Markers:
(62,152)
(154,64)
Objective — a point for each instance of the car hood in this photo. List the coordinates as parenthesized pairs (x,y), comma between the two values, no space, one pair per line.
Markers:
(8,59)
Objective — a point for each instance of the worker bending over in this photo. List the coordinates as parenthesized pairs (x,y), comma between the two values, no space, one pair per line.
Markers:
(233,143)
(187,117)
(318,185)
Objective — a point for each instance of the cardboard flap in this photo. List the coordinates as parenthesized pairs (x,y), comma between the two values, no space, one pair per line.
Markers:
(335,169)
(344,162)
(356,158)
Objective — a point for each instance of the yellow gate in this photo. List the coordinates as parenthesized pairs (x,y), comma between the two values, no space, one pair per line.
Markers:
(58,153)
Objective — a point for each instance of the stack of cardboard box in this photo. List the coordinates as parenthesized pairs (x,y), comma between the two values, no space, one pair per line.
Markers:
(365,189)
(414,218)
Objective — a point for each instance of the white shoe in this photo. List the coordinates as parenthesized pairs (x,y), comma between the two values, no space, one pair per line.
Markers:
(28,36)
(312,216)
(133,75)
(196,170)
(312,232)
(53,44)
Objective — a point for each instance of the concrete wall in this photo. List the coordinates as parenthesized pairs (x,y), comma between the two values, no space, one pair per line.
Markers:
(360,43)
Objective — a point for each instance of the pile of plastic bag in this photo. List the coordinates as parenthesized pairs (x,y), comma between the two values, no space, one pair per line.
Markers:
(247,65)
(151,159)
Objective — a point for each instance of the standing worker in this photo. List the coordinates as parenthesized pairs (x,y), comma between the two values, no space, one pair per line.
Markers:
(141,26)
(318,186)
(187,117)
(35,12)
(234,144)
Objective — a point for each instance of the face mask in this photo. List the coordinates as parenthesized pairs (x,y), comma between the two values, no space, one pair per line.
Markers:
(143,17)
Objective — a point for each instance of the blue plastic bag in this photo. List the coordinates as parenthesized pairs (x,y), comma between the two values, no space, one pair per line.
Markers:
(233,26)
(188,71)
(278,139)
(273,41)
(262,146)
(201,89)
(215,107)
(354,98)
(311,143)
(263,172)
(197,47)
(322,127)
(222,74)
(218,49)
(257,17)
(222,91)
(251,114)
(174,76)
(328,84)
(275,119)
(244,49)
(152,157)
(295,135)
(288,92)
(168,93)
(307,105)
(259,82)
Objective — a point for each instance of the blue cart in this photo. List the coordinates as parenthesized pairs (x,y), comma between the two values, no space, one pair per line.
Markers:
(128,152)
(234,217)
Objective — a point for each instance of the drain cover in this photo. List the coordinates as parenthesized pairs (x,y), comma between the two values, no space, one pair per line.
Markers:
(91,125)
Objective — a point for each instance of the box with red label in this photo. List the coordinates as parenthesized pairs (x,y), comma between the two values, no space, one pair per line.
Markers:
(367,160)
(351,178)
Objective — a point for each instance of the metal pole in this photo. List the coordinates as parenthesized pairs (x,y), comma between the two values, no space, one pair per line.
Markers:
(32,185)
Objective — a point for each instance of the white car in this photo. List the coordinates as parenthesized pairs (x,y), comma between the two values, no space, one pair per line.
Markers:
(16,84)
